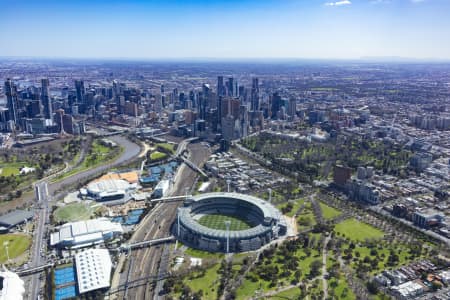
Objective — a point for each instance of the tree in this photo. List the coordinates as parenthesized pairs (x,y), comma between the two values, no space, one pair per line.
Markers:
(372,287)
(315,268)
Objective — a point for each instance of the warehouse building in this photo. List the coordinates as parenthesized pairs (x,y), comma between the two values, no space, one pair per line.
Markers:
(14,218)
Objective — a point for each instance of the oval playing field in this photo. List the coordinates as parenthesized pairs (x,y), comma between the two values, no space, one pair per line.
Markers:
(202,222)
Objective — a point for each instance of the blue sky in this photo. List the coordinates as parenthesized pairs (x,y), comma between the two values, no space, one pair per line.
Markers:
(343,29)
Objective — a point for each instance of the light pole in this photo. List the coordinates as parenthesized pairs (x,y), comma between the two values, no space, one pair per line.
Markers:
(227,225)
(228,185)
(270,195)
(186,191)
(5,244)
(178,222)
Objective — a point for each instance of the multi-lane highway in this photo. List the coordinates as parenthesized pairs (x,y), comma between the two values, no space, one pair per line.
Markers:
(37,250)
(153,261)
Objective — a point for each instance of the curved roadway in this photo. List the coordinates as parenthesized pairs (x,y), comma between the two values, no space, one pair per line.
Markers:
(130,151)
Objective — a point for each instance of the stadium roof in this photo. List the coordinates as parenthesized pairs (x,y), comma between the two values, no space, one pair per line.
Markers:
(93,269)
(108,186)
(268,210)
(15,217)
(11,286)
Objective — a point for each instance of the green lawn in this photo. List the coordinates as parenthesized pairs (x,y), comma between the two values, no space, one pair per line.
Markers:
(295,206)
(249,287)
(209,283)
(167,146)
(329,212)
(357,231)
(99,155)
(292,293)
(306,217)
(75,212)
(8,169)
(342,290)
(203,254)
(217,221)
(17,244)
(156,155)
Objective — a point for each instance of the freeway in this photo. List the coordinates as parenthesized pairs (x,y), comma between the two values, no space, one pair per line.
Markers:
(37,249)
(153,261)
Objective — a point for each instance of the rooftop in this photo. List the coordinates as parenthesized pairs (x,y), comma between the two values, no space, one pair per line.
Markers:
(93,269)
(15,217)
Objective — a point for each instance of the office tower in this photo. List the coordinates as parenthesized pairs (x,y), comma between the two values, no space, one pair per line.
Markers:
(220,87)
(292,108)
(11,100)
(80,91)
(243,121)
(254,105)
(163,96)
(45,99)
(206,92)
(232,89)
(275,105)
(182,100)
(79,86)
(201,107)
(219,109)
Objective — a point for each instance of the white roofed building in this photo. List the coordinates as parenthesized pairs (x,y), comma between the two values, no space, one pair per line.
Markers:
(85,233)
(11,286)
(93,269)
(110,189)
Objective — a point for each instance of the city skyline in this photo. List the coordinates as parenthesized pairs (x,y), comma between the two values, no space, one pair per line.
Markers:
(316,29)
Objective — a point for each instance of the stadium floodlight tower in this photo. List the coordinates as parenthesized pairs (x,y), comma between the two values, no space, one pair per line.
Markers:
(228,185)
(5,244)
(178,222)
(227,225)
(186,191)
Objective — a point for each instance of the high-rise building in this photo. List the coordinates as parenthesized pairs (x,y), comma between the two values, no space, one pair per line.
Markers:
(45,99)
(255,95)
(80,91)
(232,87)
(220,86)
(11,100)
(275,105)
(292,108)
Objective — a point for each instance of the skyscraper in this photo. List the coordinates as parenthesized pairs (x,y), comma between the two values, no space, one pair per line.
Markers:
(275,105)
(232,87)
(45,99)
(163,96)
(11,99)
(79,86)
(255,95)
(220,86)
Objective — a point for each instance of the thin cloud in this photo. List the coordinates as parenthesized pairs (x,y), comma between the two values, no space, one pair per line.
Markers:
(338,3)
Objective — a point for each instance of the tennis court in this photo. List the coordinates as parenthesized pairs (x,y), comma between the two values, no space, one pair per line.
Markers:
(65,293)
(64,275)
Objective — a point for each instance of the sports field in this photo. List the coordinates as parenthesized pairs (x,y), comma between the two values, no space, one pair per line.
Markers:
(217,221)
(16,243)
(75,212)
(358,231)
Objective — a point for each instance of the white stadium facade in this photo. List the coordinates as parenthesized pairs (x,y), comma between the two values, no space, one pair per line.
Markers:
(267,222)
